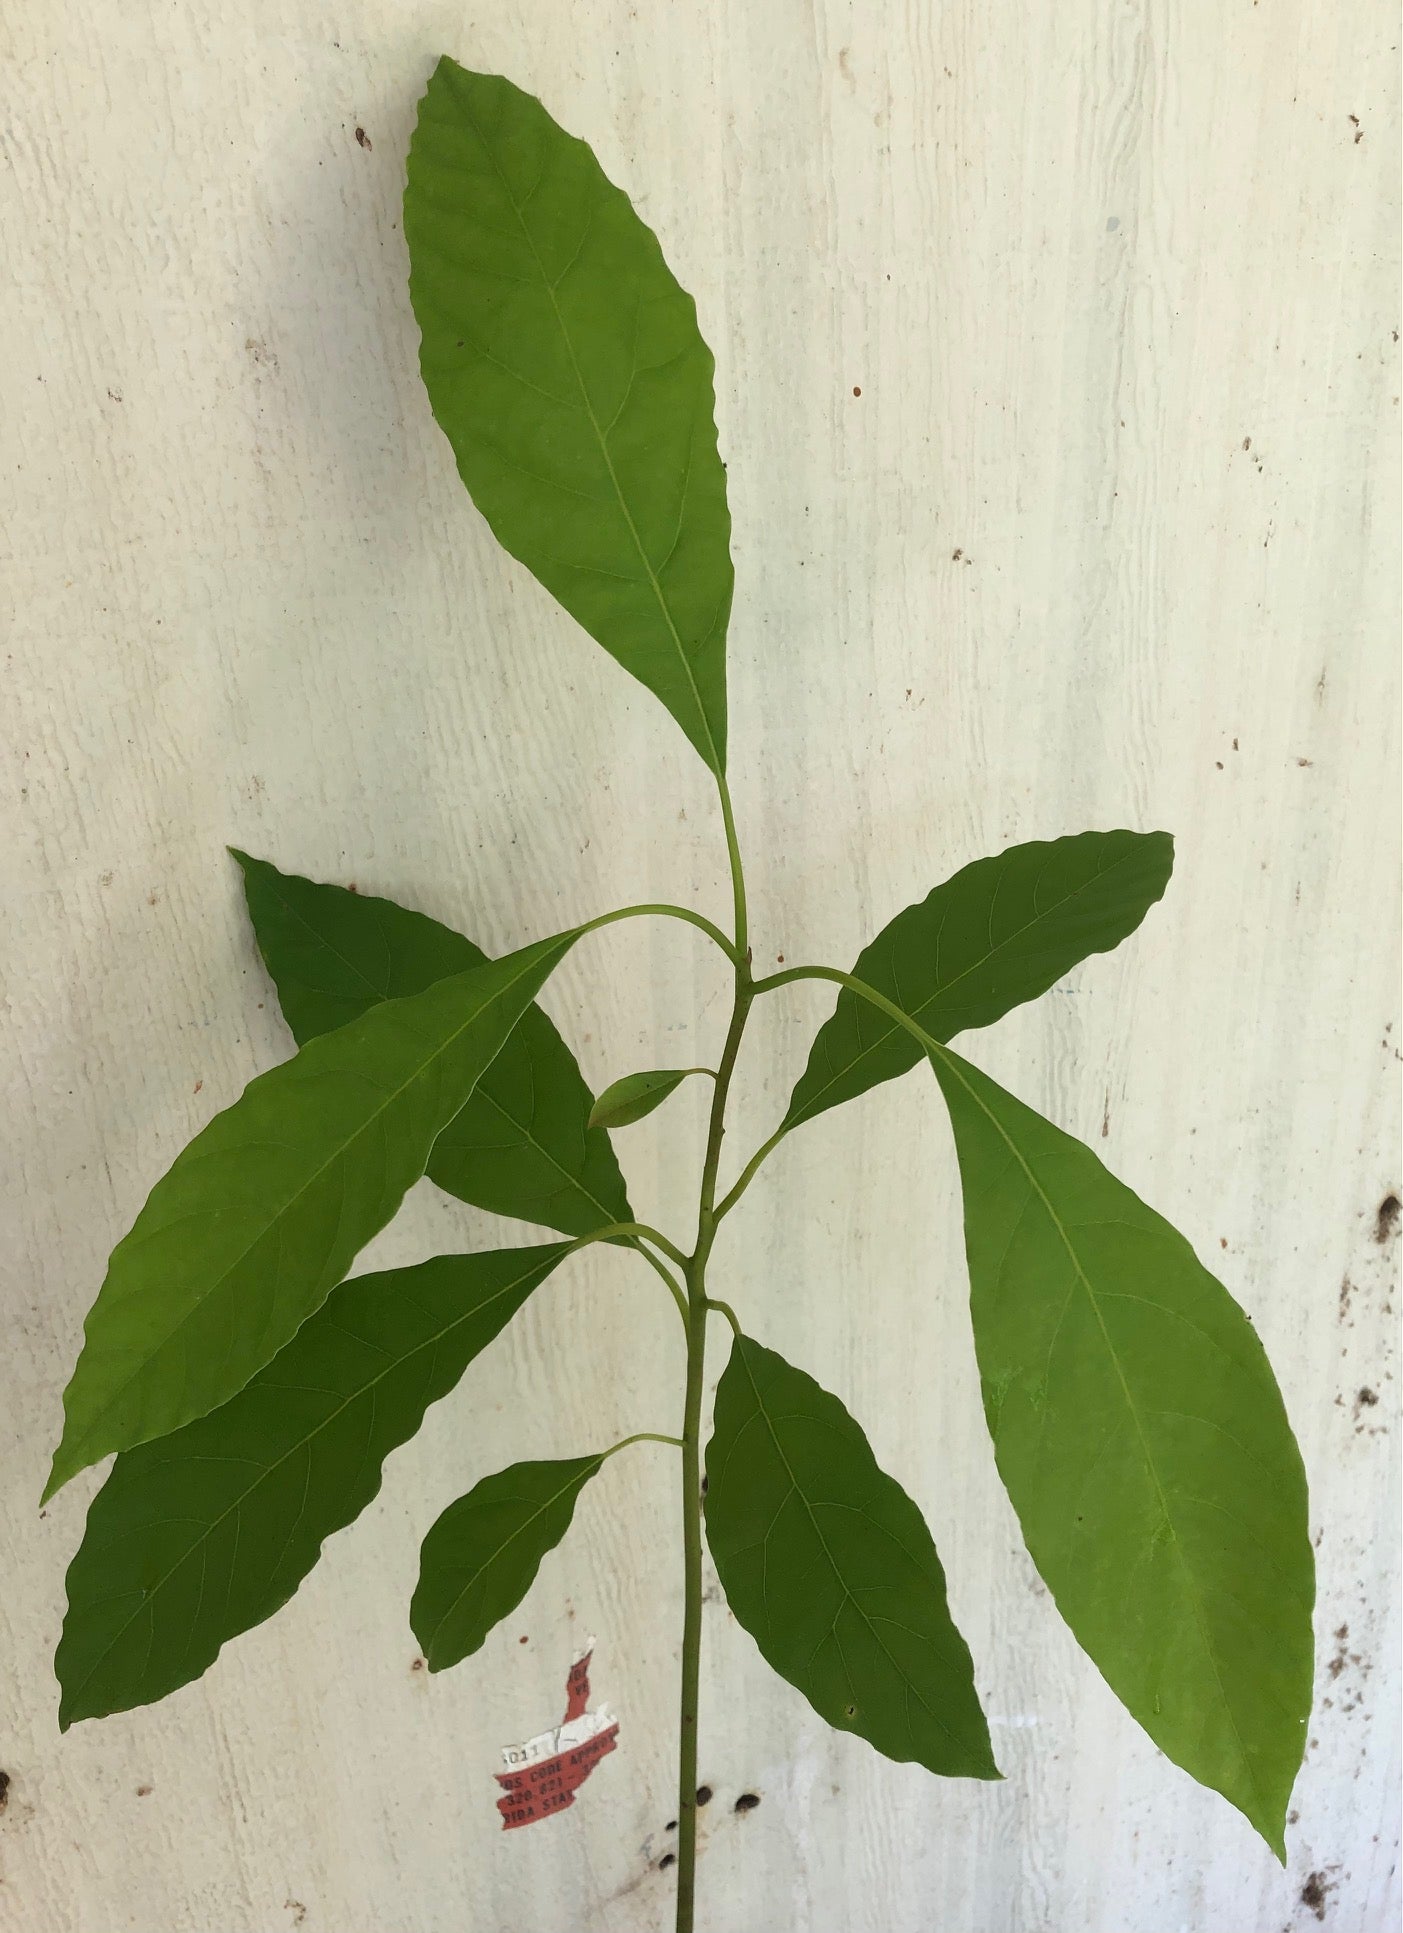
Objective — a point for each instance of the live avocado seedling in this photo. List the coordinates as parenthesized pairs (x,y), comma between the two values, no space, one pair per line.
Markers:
(252,1390)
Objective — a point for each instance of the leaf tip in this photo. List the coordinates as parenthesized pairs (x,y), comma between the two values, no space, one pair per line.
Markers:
(1272,1828)
(58,1476)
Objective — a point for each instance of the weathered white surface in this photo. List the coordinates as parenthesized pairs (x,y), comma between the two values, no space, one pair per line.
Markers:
(1108,537)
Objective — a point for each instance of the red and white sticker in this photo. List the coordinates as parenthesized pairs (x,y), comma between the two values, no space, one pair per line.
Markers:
(544,1774)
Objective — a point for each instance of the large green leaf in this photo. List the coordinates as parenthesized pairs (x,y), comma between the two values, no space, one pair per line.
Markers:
(481,1556)
(522,1145)
(263,1212)
(998,933)
(204,1533)
(1142,1439)
(829,1566)
(565,366)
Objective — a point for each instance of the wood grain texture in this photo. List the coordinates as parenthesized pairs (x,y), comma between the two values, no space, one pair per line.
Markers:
(1108,537)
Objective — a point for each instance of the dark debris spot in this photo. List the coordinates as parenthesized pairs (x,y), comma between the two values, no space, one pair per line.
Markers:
(703,1795)
(747,1802)
(1314,1893)
(1367,1398)
(4,1790)
(1390,1208)
(856,390)
(364,139)
(668,1859)
(671,1826)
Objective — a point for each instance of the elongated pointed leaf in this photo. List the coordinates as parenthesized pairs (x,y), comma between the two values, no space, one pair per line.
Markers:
(480,1558)
(1142,1439)
(565,366)
(829,1566)
(635,1096)
(204,1533)
(265,1210)
(1000,932)
(523,1144)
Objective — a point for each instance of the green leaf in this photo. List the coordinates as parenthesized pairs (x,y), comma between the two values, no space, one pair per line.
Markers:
(480,1558)
(829,1566)
(565,367)
(263,1212)
(1142,1439)
(628,1100)
(523,1145)
(1000,932)
(204,1533)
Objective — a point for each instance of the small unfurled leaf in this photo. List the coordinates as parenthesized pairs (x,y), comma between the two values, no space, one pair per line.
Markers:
(480,1558)
(829,1566)
(565,367)
(265,1210)
(998,933)
(204,1533)
(1142,1438)
(523,1144)
(628,1100)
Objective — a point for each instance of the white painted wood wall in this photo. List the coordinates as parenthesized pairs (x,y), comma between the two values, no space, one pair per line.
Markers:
(1108,537)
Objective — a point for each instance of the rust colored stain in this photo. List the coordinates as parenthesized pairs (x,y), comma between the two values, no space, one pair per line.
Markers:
(547,1771)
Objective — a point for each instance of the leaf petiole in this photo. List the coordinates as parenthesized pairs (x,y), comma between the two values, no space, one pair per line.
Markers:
(637,1235)
(641,1436)
(661,909)
(771,983)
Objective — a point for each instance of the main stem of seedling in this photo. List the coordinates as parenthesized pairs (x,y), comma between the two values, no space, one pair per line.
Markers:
(691,1423)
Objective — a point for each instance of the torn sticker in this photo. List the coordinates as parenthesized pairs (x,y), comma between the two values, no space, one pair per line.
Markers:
(544,1774)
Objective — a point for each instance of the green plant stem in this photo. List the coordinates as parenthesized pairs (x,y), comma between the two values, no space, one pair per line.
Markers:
(741,953)
(697,1309)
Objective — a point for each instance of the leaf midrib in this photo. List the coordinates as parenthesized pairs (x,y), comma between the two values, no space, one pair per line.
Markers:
(578,1480)
(686,663)
(381,995)
(1192,1591)
(372,1120)
(815,1106)
(798,1490)
(268,1470)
